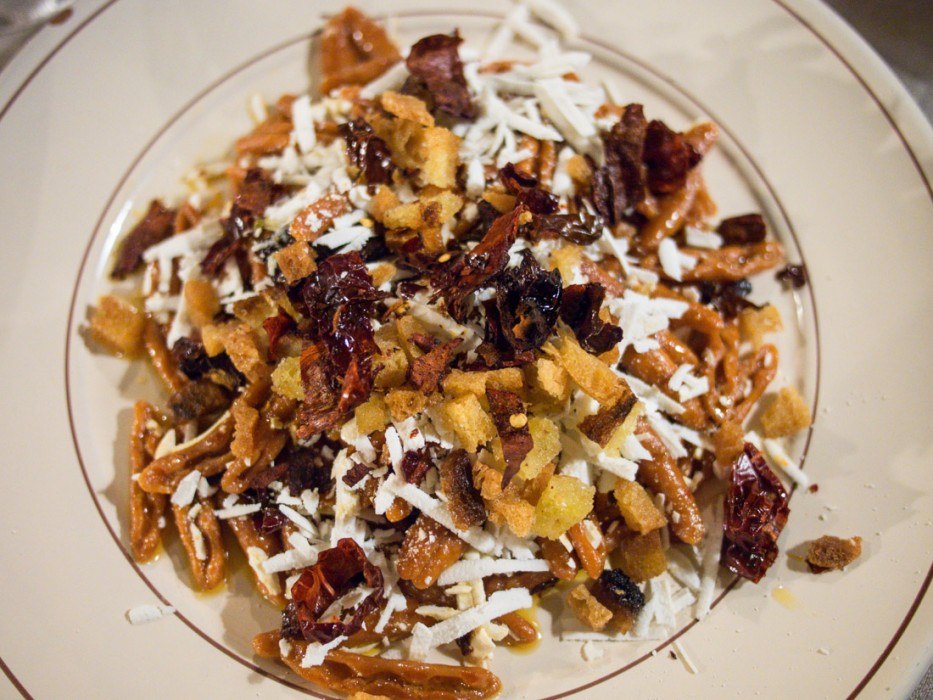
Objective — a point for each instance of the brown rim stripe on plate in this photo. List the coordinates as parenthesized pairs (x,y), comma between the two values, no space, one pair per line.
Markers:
(235,71)
(830,46)
(14,680)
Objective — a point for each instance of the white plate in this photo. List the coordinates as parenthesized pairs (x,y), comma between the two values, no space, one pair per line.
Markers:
(108,109)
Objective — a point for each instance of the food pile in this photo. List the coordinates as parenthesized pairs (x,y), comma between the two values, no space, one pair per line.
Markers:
(461,333)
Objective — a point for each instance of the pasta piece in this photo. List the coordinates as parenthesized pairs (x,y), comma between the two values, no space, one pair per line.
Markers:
(592,556)
(661,475)
(258,547)
(348,673)
(161,358)
(146,509)
(163,474)
(734,262)
(203,543)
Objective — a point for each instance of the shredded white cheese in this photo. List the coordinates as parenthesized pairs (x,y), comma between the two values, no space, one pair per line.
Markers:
(142,614)
(780,458)
(316,652)
(187,489)
(436,510)
(469,570)
(501,602)
(702,239)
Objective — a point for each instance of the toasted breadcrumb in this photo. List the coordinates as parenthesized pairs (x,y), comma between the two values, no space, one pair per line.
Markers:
(755,323)
(786,414)
(830,553)
(587,609)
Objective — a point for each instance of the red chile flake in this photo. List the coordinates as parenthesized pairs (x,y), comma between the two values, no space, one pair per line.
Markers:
(355,474)
(367,151)
(276,327)
(473,269)
(755,513)
(579,309)
(668,158)
(508,413)
(793,275)
(427,371)
(415,464)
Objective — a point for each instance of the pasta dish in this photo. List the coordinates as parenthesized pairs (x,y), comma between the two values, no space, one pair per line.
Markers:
(461,332)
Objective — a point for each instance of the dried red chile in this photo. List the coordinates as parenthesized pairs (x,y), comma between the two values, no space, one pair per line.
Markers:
(526,191)
(437,75)
(755,513)
(367,151)
(157,225)
(473,269)
(524,311)
(198,398)
(415,464)
(728,298)
(579,309)
(339,300)
(338,571)
(581,227)
(741,230)
(486,214)
(301,468)
(193,361)
(668,158)
(256,193)
(620,183)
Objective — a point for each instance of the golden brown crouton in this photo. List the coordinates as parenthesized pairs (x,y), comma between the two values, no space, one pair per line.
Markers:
(372,415)
(240,343)
(587,370)
(384,200)
(467,419)
(637,507)
(502,201)
(458,382)
(641,557)
(286,379)
(118,325)
(564,503)
(201,301)
(393,366)
(786,414)
(565,260)
(406,107)
(550,383)
(296,261)
(382,273)
(404,403)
